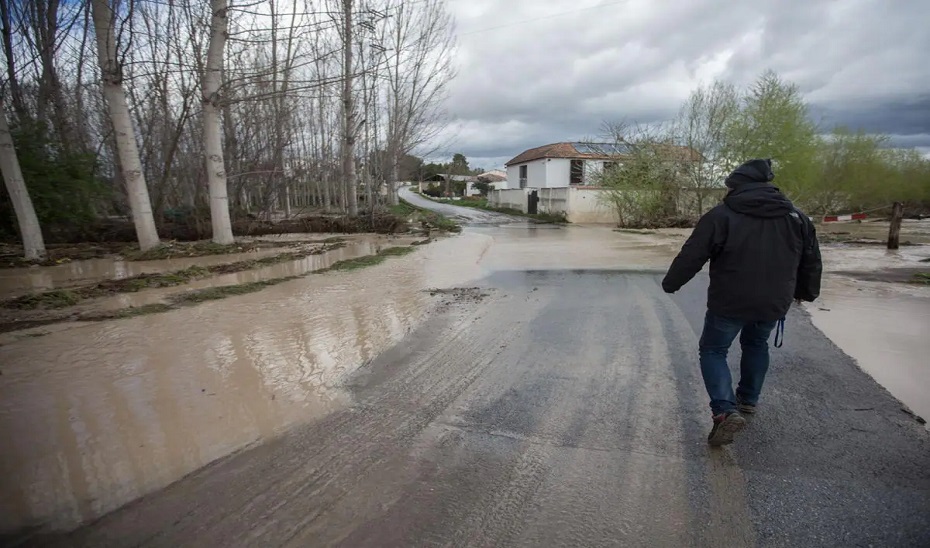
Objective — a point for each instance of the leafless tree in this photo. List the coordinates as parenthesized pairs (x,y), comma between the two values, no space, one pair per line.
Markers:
(29,227)
(350,124)
(112,81)
(212,125)
(702,125)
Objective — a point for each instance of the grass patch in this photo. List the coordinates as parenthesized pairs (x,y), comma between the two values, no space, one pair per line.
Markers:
(396,251)
(403,209)
(921,278)
(430,219)
(132,312)
(58,298)
(635,231)
(216,293)
(441,222)
(173,250)
(368,260)
(62,298)
(354,264)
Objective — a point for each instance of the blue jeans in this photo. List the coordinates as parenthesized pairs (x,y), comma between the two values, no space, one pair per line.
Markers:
(716,339)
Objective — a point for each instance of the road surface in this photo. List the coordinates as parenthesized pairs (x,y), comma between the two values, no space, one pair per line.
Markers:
(563,408)
(467,215)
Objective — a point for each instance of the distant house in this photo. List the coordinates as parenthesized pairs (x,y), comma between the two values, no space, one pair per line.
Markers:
(497,178)
(562,164)
(445,180)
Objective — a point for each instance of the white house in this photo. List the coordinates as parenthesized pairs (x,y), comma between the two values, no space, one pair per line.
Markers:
(497,178)
(562,164)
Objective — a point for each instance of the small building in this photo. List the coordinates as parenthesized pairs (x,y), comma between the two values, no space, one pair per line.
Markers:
(497,178)
(563,164)
(445,181)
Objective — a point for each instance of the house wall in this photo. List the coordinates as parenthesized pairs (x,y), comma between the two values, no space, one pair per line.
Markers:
(552,173)
(577,204)
(554,200)
(515,198)
(536,174)
(586,205)
(558,172)
(513,178)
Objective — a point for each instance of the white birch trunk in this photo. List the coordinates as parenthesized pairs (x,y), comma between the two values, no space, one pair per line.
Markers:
(16,187)
(126,146)
(348,105)
(212,125)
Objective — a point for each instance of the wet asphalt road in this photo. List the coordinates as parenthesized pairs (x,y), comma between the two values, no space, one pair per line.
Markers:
(564,408)
(467,215)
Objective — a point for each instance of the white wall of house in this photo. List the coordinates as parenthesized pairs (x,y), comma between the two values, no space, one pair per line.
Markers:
(587,205)
(577,204)
(514,198)
(553,173)
(536,174)
(513,178)
(559,170)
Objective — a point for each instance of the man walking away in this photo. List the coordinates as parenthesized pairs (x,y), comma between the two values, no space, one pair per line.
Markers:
(763,254)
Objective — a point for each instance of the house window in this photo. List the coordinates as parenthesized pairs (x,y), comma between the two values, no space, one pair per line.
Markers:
(523,176)
(576,175)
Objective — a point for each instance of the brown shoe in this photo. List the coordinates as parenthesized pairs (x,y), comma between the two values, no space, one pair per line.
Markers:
(726,425)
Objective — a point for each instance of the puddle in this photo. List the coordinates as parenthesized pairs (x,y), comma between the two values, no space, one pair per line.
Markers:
(95,416)
(886,328)
(281,270)
(542,247)
(859,258)
(17,281)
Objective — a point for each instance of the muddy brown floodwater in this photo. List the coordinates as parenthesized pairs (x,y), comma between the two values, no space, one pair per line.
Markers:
(886,328)
(97,415)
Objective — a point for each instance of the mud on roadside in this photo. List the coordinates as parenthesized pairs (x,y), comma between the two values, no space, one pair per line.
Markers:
(103,300)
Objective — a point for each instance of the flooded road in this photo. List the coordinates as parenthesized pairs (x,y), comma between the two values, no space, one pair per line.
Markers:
(467,215)
(563,409)
(17,281)
(886,329)
(547,395)
(99,414)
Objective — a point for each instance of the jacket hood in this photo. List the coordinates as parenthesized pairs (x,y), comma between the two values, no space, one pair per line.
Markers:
(753,171)
(758,200)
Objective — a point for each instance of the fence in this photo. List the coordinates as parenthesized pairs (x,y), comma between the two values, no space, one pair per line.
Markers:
(588,205)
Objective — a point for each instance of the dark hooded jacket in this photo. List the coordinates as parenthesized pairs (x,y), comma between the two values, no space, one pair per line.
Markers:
(763,251)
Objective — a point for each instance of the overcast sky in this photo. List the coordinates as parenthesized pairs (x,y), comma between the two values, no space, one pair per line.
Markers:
(532,72)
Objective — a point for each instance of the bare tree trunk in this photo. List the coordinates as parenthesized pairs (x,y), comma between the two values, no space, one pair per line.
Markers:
(19,107)
(212,126)
(894,231)
(16,187)
(126,146)
(348,102)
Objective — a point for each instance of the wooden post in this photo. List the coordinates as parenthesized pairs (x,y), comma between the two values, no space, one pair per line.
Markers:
(894,233)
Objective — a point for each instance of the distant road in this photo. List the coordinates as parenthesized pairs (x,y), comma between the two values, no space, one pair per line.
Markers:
(467,215)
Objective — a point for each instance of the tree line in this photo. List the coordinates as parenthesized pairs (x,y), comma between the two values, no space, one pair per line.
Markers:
(212,109)
(719,126)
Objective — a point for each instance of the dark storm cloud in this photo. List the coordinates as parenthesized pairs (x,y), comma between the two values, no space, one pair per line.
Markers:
(538,71)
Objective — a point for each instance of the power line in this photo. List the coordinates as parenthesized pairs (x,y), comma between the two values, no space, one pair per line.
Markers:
(552,16)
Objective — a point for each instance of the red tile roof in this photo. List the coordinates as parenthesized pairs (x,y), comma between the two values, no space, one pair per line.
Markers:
(593,151)
(555,150)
